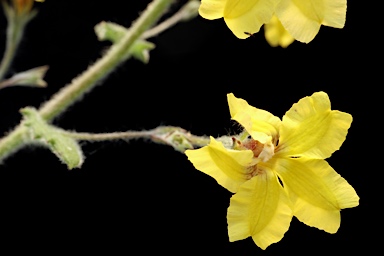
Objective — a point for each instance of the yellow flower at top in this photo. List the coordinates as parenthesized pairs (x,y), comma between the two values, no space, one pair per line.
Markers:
(243,17)
(276,169)
(301,18)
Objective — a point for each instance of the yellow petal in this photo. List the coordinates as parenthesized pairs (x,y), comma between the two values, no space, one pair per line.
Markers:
(212,9)
(303,18)
(260,124)
(276,35)
(228,167)
(248,16)
(310,128)
(317,192)
(260,209)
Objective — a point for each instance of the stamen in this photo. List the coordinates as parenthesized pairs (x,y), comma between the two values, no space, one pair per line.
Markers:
(254,171)
(268,151)
(255,146)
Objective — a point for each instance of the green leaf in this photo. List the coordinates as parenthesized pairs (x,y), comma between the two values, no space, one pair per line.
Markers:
(64,147)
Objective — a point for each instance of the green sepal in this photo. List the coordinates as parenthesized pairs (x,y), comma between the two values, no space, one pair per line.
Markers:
(32,77)
(109,31)
(17,19)
(172,136)
(114,32)
(64,147)
(140,50)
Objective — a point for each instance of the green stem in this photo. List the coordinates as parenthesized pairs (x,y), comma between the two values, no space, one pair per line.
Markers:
(176,137)
(13,141)
(114,32)
(109,136)
(9,54)
(188,11)
(118,53)
(198,141)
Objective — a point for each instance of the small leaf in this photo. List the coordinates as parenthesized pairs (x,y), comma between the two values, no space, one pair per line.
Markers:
(109,31)
(64,147)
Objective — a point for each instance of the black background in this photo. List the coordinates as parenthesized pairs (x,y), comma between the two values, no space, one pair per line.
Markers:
(139,197)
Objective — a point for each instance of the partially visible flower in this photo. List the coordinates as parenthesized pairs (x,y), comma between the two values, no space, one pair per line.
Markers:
(301,18)
(276,169)
(24,6)
(276,34)
(243,17)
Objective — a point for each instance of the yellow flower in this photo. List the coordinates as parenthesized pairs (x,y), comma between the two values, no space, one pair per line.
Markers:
(243,17)
(276,34)
(301,18)
(276,169)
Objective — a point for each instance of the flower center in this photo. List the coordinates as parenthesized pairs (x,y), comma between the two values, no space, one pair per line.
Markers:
(253,171)
(264,152)
(254,145)
(261,152)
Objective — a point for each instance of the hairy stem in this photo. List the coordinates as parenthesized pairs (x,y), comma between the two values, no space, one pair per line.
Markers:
(71,93)
(188,11)
(13,141)
(176,137)
(117,54)
(128,135)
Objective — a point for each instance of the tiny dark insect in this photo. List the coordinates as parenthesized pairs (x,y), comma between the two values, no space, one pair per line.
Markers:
(249,34)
